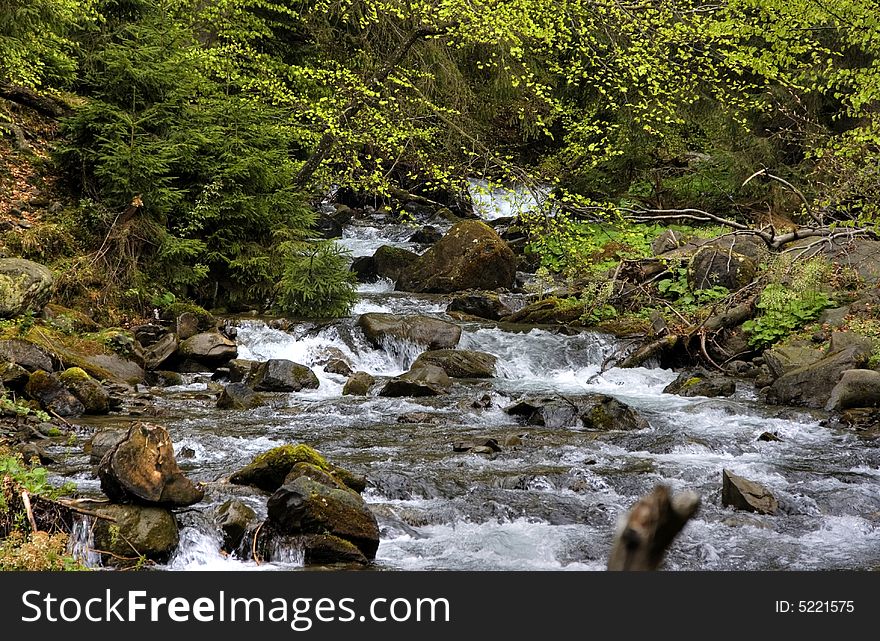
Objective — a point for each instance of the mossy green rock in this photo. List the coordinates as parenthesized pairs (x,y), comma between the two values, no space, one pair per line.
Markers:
(432,333)
(268,470)
(151,531)
(90,393)
(470,256)
(305,506)
(700,383)
(48,390)
(550,311)
(24,286)
(393,262)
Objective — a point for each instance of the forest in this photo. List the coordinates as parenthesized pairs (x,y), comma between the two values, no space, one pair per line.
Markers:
(695,180)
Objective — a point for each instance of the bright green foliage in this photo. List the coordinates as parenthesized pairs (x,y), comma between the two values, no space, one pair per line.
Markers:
(783,311)
(678,289)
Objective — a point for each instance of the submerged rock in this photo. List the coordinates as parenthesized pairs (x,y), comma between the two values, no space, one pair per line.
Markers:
(269,470)
(592,411)
(282,375)
(420,380)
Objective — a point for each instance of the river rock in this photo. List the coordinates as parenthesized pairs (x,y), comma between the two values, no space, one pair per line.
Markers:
(338,366)
(470,256)
(241,369)
(282,375)
(743,494)
(233,519)
(316,549)
(427,235)
(393,262)
(25,354)
(238,396)
(477,445)
(24,286)
(420,380)
(305,506)
(268,470)
(699,382)
(13,376)
(482,305)
(209,348)
(811,385)
(142,469)
(148,334)
(48,390)
(102,442)
(160,351)
(431,333)
(164,378)
(715,266)
(786,358)
(364,269)
(460,363)
(151,531)
(93,396)
(592,411)
(358,384)
(115,367)
(856,388)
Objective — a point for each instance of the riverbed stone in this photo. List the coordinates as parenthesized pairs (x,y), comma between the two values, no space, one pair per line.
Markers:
(233,518)
(89,392)
(856,388)
(699,382)
(470,256)
(421,380)
(238,396)
(488,305)
(460,363)
(102,442)
(141,469)
(431,333)
(160,351)
(811,385)
(743,494)
(241,369)
(24,286)
(282,375)
(209,348)
(48,390)
(392,262)
(25,354)
(134,530)
(358,384)
(305,506)
(786,358)
(268,470)
(592,411)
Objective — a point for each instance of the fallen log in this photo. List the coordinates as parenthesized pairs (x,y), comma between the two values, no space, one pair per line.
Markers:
(652,349)
(649,528)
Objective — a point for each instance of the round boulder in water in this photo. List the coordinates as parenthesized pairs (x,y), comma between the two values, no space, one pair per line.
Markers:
(460,363)
(421,380)
(238,396)
(432,333)
(358,384)
(131,531)
(269,470)
(233,518)
(282,375)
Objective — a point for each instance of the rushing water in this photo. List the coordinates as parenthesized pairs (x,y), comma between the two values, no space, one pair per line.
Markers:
(551,502)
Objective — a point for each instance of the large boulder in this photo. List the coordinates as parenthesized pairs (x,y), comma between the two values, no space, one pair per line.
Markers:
(24,286)
(274,546)
(715,266)
(282,375)
(431,333)
(241,369)
(786,358)
(208,348)
(48,390)
(811,385)
(470,256)
(268,470)
(233,519)
(130,531)
(427,235)
(141,468)
(856,388)
(460,363)
(699,382)
(393,262)
(421,380)
(93,396)
(592,411)
(26,355)
(238,396)
(305,506)
(743,494)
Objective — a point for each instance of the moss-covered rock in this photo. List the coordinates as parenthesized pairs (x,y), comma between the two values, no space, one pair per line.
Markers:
(699,382)
(268,470)
(305,506)
(135,530)
(358,384)
(550,311)
(460,363)
(90,393)
(52,395)
(24,286)
(68,320)
(393,262)
(470,256)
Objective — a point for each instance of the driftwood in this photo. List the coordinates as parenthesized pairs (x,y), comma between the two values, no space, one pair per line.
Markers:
(649,528)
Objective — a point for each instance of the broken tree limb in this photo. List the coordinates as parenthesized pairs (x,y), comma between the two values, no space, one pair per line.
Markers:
(646,352)
(648,529)
(26,500)
(737,315)
(38,102)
